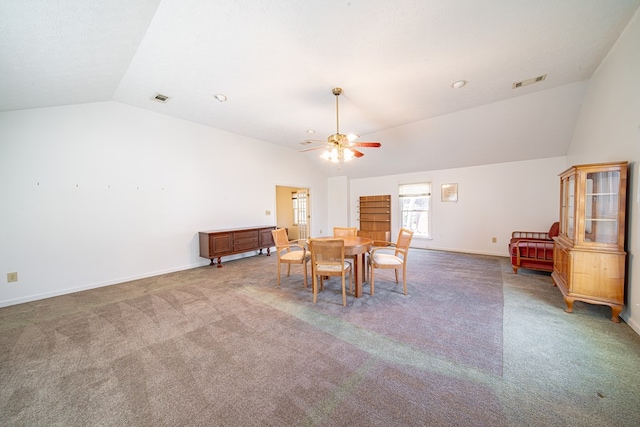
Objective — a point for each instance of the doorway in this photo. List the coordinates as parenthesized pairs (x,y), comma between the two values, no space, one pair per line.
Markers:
(293,211)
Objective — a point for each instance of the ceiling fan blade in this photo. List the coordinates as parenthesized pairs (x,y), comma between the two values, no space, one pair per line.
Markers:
(313,148)
(357,153)
(366,144)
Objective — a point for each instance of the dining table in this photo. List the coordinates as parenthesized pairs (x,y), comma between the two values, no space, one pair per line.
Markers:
(356,248)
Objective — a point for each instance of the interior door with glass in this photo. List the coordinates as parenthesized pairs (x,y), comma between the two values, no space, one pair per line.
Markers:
(301,212)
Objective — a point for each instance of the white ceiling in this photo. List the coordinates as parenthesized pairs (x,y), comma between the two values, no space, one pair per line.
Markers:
(278,60)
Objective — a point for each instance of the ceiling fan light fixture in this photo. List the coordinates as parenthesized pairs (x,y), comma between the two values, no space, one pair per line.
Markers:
(458,84)
(338,155)
(220,97)
(352,137)
(348,154)
(331,155)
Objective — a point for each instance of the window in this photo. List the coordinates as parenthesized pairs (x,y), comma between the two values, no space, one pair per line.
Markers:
(415,207)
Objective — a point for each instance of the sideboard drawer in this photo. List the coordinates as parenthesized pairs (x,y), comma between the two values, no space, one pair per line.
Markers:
(245,240)
(248,234)
(245,244)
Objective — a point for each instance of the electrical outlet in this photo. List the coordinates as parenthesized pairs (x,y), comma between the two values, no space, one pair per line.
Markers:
(494,240)
(12,277)
(267,212)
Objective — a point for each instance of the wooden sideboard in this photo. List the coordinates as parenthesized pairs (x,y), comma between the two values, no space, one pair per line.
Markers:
(214,244)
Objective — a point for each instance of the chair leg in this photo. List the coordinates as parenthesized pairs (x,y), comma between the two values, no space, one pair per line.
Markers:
(279,272)
(404,278)
(288,270)
(371,283)
(305,274)
(396,271)
(314,286)
(367,260)
(344,291)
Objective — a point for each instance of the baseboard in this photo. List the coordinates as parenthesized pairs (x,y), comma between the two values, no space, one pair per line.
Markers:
(66,291)
(633,324)
(463,251)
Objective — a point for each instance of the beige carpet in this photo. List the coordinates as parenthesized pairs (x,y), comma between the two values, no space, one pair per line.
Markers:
(227,347)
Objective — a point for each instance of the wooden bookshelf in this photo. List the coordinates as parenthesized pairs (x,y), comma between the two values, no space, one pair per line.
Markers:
(375,217)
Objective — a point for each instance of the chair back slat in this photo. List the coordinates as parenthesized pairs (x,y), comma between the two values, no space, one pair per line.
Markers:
(404,239)
(280,237)
(345,232)
(327,259)
(327,251)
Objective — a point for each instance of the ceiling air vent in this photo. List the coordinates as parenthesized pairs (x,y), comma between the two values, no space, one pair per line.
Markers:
(529,81)
(161,98)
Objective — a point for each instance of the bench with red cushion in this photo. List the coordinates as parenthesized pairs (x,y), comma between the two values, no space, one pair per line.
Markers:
(533,250)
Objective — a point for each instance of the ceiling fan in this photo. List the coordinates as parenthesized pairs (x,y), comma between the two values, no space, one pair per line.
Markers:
(340,147)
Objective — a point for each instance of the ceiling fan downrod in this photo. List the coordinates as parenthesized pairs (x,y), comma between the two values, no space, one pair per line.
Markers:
(337,91)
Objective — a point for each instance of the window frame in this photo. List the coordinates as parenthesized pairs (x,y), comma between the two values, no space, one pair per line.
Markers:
(417,214)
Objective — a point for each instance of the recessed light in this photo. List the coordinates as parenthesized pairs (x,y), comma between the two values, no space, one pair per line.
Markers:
(311,131)
(220,97)
(458,84)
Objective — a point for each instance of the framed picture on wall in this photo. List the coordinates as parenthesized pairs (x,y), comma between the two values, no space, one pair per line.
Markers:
(449,192)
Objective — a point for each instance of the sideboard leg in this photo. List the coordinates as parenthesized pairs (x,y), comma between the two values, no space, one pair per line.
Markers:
(219,262)
(268,251)
(211,263)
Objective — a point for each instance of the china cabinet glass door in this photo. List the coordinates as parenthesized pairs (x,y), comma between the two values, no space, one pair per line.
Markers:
(601,207)
(567,214)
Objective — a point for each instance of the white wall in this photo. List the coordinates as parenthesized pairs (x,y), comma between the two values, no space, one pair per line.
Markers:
(338,203)
(97,194)
(493,201)
(608,129)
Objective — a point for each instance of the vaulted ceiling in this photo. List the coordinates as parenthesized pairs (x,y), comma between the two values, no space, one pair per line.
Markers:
(277,61)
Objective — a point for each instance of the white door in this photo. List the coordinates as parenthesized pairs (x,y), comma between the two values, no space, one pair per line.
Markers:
(301,213)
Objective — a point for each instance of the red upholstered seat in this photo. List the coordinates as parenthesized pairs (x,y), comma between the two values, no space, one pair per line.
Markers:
(533,249)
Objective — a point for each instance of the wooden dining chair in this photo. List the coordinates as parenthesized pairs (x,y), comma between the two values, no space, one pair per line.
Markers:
(327,259)
(290,252)
(392,256)
(345,231)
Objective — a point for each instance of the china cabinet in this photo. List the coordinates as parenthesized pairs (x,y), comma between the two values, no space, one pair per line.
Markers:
(589,252)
